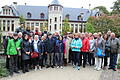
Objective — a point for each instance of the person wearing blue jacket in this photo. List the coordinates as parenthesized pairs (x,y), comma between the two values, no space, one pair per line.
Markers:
(76,44)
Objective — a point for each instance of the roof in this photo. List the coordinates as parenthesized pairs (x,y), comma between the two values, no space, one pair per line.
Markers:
(55,2)
(37,10)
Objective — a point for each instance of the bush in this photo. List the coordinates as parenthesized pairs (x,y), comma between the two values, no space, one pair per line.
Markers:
(3,70)
(118,65)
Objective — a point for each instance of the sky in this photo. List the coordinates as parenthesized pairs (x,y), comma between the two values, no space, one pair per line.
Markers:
(65,3)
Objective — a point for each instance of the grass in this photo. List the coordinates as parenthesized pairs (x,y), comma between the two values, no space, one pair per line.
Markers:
(3,70)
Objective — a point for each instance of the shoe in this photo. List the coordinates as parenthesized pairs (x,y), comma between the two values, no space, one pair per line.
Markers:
(57,67)
(98,69)
(27,70)
(78,68)
(47,66)
(114,69)
(74,66)
(104,68)
(61,67)
(52,66)
(36,69)
(110,68)
(83,66)
(95,68)
(11,74)
(16,72)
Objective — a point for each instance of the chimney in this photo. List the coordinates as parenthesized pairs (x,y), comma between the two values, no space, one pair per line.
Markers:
(14,3)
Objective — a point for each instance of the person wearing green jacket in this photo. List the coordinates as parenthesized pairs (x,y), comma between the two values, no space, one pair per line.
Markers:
(12,52)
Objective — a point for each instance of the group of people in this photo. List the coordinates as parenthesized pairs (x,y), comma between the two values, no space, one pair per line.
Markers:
(35,50)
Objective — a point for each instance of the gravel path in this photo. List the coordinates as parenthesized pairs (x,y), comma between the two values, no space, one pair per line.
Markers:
(67,73)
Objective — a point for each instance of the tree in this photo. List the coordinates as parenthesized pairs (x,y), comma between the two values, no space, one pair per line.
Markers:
(66,28)
(22,21)
(102,9)
(105,23)
(89,28)
(116,7)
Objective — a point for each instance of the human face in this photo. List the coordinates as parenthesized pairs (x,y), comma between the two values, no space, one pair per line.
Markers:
(26,37)
(15,37)
(36,38)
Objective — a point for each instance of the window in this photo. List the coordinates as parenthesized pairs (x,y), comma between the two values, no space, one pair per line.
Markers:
(50,21)
(4,22)
(28,24)
(3,11)
(29,15)
(67,16)
(51,8)
(60,26)
(55,8)
(41,26)
(79,17)
(60,8)
(72,25)
(55,26)
(37,24)
(9,11)
(8,25)
(12,25)
(32,26)
(60,19)
(50,27)
(42,15)
(55,19)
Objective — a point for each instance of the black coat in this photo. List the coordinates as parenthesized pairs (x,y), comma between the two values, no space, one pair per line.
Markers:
(25,47)
(50,45)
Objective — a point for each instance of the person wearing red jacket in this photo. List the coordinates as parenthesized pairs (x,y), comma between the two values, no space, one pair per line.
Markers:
(84,49)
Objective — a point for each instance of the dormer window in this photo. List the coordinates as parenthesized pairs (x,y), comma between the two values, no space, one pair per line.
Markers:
(79,17)
(67,16)
(3,11)
(42,15)
(29,15)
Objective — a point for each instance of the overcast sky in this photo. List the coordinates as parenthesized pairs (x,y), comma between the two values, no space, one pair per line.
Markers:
(65,3)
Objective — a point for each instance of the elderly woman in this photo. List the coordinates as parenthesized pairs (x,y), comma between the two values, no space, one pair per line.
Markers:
(76,44)
(99,44)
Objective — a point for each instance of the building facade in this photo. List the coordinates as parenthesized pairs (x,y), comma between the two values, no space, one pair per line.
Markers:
(50,17)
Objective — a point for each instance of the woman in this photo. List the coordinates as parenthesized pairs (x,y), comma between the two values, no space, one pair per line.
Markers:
(84,49)
(91,58)
(99,44)
(76,44)
(35,49)
(107,50)
(25,47)
(59,54)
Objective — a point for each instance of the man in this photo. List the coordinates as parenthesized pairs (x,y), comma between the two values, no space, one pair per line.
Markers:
(5,43)
(114,48)
(50,44)
(12,53)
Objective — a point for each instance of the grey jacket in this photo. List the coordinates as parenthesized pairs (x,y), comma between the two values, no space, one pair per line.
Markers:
(115,45)
(100,43)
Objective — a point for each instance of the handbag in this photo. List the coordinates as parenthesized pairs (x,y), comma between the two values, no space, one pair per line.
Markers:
(34,55)
(99,52)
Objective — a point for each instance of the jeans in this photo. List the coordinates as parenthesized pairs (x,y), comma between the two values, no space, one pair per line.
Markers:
(50,57)
(91,58)
(98,63)
(76,56)
(113,60)
(59,59)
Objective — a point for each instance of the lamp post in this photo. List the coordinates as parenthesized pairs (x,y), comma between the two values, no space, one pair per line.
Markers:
(81,21)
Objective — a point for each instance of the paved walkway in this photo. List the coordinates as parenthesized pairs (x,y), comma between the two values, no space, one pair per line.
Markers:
(68,73)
